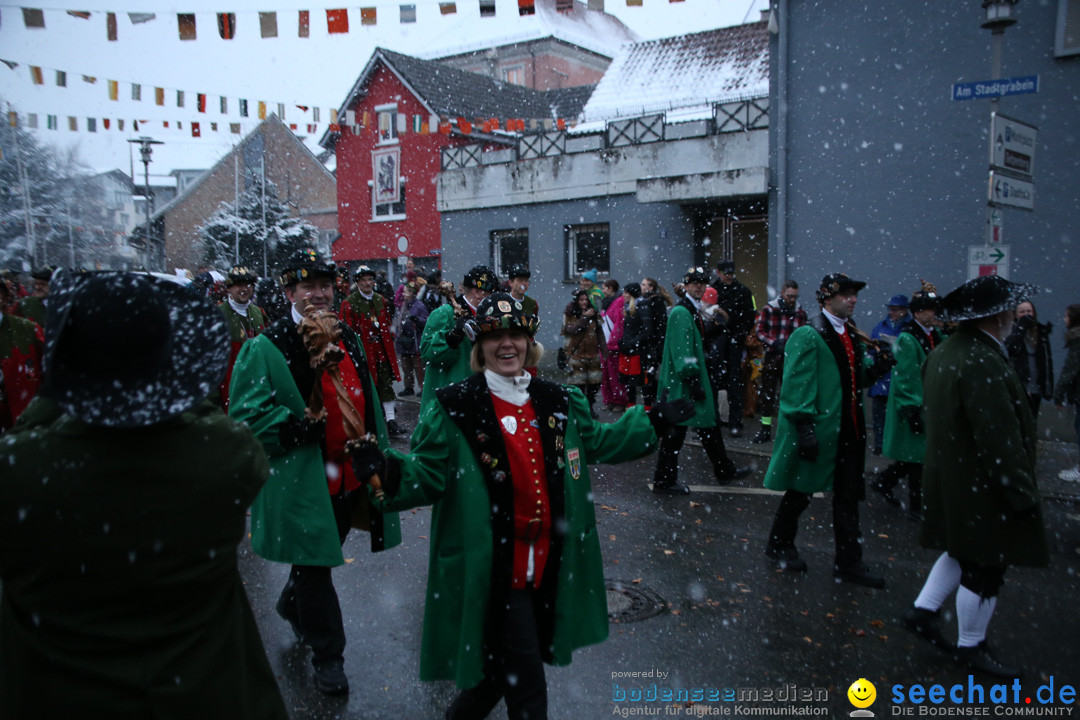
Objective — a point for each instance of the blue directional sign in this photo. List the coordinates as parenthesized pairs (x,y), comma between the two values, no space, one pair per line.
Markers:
(984,89)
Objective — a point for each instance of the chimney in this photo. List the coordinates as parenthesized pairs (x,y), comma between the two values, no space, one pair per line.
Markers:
(764,15)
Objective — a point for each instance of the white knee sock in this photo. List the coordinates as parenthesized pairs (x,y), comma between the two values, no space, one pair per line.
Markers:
(944,577)
(388,409)
(973,615)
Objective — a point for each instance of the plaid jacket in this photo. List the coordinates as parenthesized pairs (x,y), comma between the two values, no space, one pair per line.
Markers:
(773,326)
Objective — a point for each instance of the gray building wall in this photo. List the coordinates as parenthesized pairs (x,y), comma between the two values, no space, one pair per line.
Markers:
(646,239)
(887,175)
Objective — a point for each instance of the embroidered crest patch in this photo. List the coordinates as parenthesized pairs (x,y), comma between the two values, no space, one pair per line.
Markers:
(573,457)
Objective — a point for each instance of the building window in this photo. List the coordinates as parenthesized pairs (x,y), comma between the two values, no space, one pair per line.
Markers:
(387,117)
(509,248)
(1067,36)
(587,246)
(514,75)
(387,185)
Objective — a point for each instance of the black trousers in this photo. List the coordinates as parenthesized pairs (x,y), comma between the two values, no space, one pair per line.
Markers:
(848,490)
(521,676)
(891,475)
(772,373)
(309,595)
(667,459)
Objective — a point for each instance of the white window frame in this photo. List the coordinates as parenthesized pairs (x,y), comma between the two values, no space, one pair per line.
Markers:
(390,138)
(571,233)
(497,237)
(394,153)
(507,71)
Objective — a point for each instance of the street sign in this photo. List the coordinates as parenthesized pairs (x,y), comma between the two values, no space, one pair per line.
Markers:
(994,225)
(984,89)
(1012,144)
(984,260)
(1011,191)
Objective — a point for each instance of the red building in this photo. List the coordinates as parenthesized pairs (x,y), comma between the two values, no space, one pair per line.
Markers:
(398,117)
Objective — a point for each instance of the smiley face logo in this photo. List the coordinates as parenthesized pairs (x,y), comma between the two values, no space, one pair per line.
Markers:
(862,693)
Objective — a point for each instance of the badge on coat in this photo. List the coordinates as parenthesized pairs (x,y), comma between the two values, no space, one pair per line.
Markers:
(573,457)
(509,424)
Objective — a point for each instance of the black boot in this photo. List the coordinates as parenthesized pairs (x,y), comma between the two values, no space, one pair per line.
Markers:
(763,435)
(927,625)
(786,558)
(980,659)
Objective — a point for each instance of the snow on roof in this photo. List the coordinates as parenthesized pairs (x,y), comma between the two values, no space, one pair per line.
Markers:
(595,31)
(695,70)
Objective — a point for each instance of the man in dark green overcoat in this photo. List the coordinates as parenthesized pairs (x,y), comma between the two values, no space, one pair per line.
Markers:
(981,501)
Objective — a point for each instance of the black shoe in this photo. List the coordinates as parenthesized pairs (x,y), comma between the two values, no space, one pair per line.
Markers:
(672,488)
(764,435)
(787,559)
(407,392)
(288,614)
(885,492)
(980,659)
(927,625)
(394,429)
(858,574)
(733,473)
(330,677)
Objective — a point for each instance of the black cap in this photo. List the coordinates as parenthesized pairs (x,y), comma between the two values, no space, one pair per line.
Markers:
(304,264)
(500,311)
(519,271)
(240,274)
(364,270)
(44,273)
(835,283)
(726,266)
(696,275)
(924,301)
(984,296)
(481,277)
(632,289)
(127,349)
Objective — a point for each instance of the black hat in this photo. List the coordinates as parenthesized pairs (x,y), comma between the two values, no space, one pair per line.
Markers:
(696,275)
(726,266)
(519,271)
(131,349)
(304,264)
(984,296)
(835,283)
(924,301)
(500,311)
(633,289)
(240,274)
(44,273)
(481,277)
(364,270)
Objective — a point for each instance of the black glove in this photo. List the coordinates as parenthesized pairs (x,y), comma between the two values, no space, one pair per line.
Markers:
(915,421)
(367,459)
(808,444)
(295,432)
(457,334)
(694,388)
(1025,323)
(666,414)
(883,363)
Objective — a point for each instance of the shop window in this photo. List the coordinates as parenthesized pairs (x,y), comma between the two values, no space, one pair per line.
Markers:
(587,246)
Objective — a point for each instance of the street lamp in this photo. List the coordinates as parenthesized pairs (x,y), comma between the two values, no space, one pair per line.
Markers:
(146,149)
(999,15)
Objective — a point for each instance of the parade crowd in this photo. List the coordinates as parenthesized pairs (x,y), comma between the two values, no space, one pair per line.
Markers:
(142,419)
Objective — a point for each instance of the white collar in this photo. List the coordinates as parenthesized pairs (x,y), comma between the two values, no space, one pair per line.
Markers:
(924,328)
(1000,345)
(513,390)
(240,308)
(837,323)
(368,296)
(296,316)
(695,303)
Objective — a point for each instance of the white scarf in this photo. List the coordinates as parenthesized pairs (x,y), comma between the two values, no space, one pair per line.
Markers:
(513,390)
(240,308)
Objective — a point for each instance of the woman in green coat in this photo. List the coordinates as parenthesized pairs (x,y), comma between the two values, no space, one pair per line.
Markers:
(515,578)
(981,500)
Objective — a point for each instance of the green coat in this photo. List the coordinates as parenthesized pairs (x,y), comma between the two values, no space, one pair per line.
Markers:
(32,308)
(122,595)
(811,390)
(906,393)
(683,359)
(472,523)
(443,365)
(980,496)
(291,519)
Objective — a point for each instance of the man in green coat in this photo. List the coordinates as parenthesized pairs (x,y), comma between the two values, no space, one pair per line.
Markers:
(981,500)
(821,435)
(905,435)
(244,318)
(515,578)
(303,514)
(34,306)
(683,374)
(122,597)
(442,350)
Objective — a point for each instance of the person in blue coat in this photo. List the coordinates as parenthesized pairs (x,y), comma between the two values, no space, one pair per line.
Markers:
(888,330)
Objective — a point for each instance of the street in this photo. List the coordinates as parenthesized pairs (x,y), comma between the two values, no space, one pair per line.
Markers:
(696,607)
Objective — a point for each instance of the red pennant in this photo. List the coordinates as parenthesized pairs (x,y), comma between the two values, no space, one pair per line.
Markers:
(337,21)
(195,131)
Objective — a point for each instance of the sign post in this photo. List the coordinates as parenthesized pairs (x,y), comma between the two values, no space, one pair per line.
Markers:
(984,260)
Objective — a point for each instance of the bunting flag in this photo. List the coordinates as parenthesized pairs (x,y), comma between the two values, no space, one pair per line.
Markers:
(448,8)
(333,116)
(408,14)
(73,124)
(138,18)
(224,105)
(234,128)
(179,98)
(36,76)
(195,130)
(81,14)
(367,15)
(633,3)
(105,123)
(268,24)
(314,114)
(337,21)
(91,125)
(33,18)
(110,27)
(185,23)
(565,5)
(136,92)
(13,118)
(32,121)
(487,8)
(350,118)
(226,23)
(10,63)
(526,7)
(243,108)
(200,102)
(61,78)
(159,96)
(597,5)
(281,111)
(89,79)
(120,124)
(262,110)
(114,90)
(304,24)
(464,126)
(50,122)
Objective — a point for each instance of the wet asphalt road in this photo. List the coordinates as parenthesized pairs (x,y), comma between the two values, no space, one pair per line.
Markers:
(713,613)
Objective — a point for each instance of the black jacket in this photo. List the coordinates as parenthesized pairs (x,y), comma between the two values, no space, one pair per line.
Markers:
(1044,363)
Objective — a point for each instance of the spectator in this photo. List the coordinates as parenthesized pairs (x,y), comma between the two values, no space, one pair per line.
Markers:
(887,331)
(1029,350)
(584,340)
